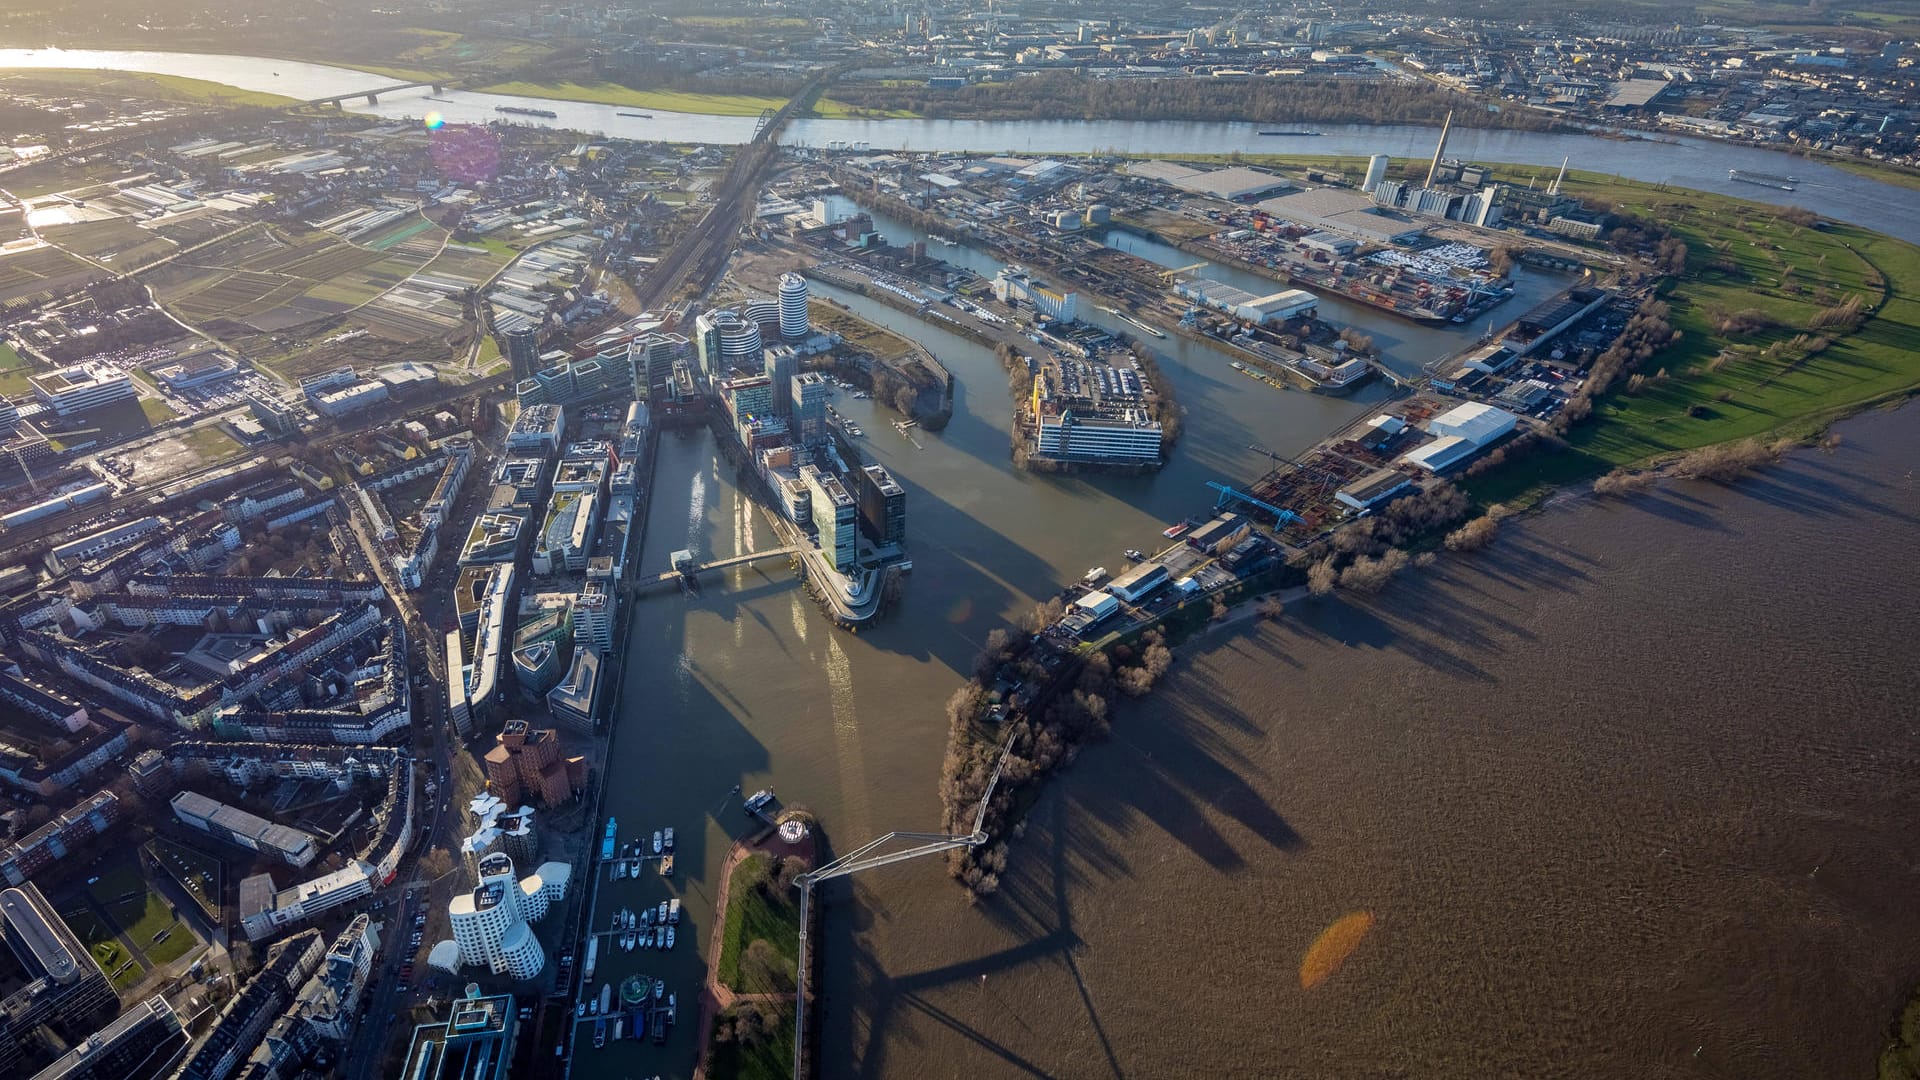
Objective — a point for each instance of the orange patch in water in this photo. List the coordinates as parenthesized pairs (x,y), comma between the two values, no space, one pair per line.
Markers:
(1332,948)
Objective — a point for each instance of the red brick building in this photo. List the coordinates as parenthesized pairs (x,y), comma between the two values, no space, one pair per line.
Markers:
(527,767)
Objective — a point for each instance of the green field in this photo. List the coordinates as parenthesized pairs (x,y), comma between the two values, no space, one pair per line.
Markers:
(160,87)
(664,100)
(1723,384)
(123,892)
(769,1058)
(399,234)
(121,968)
(13,371)
(156,410)
(211,443)
(1873,170)
(753,915)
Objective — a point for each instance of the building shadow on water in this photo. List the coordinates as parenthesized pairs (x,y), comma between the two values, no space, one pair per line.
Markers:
(1032,907)
(679,737)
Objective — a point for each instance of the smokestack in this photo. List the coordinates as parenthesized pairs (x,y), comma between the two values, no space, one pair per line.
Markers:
(1555,189)
(1439,151)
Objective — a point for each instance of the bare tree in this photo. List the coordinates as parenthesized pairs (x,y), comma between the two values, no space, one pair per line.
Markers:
(1474,535)
(1321,578)
(1369,575)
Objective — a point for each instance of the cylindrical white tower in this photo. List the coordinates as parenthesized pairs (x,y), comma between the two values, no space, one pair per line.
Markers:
(1376,172)
(794,323)
(740,340)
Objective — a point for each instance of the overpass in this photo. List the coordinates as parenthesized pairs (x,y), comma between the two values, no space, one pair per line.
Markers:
(373,96)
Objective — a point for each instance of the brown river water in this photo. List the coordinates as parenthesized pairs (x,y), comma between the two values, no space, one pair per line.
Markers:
(1631,793)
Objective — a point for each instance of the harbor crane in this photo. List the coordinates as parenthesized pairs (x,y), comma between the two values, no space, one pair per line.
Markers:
(1230,495)
(864,858)
(1168,275)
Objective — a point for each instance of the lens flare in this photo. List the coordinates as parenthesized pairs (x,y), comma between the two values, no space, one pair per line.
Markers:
(435,121)
(1332,948)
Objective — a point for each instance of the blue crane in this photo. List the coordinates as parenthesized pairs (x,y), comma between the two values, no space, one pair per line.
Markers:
(1230,495)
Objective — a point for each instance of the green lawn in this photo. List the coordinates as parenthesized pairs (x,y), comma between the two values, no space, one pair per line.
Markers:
(839,110)
(489,351)
(753,915)
(121,968)
(770,1058)
(664,100)
(178,942)
(138,910)
(211,443)
(1720,387)
(13,371)
(156,410)
(160,87)
(1873,170)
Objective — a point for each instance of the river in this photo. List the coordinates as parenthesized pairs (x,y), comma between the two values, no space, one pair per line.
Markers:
(1690,163)
(1572,873)
(1630,793)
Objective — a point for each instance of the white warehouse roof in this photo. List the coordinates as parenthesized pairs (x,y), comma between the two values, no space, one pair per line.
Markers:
(1440,453)
(1477,423)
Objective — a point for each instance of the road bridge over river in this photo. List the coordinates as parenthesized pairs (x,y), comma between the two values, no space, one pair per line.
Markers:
(373,96)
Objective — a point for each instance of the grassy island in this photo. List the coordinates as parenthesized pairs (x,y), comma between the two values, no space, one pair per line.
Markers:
(755,971)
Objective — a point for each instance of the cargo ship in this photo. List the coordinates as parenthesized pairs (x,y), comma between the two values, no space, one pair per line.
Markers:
(1304,134)
(1764,179)
(520,110)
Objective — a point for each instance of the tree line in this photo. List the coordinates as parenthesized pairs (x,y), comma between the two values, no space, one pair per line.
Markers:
(1060,95)
(1042,717)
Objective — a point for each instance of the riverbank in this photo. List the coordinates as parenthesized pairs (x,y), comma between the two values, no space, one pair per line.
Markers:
(1781,323)
(172,88)
(1299,102)
(1542,846)
(681,101)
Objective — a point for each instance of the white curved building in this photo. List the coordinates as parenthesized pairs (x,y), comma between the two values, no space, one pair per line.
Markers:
(728,341)
(794,323)
(492,924)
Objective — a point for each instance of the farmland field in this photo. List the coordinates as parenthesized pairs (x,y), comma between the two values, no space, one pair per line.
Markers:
(270,281)
(35,270)
(118,242)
